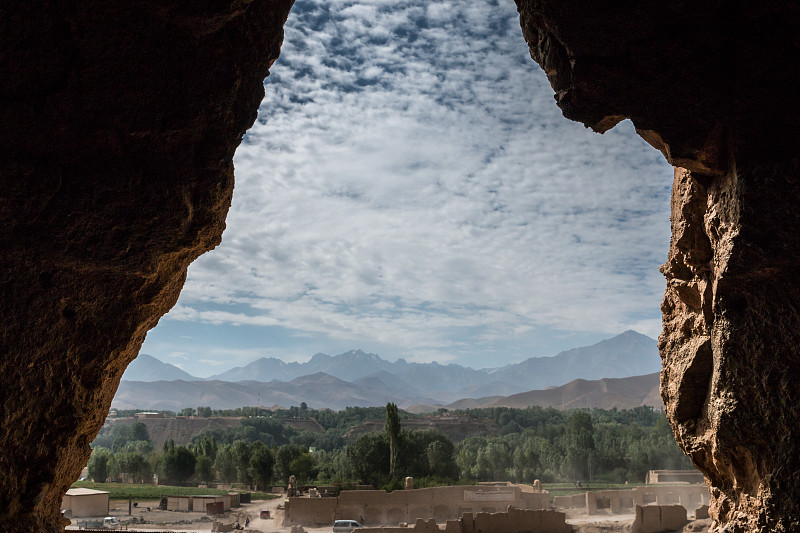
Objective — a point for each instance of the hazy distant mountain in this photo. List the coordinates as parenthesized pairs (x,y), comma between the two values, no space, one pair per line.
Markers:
(606,393)
(367,379)
(148,368)
(451,377)
(322,390)
(627,354)
(348,366)
(264,369)
(317,390)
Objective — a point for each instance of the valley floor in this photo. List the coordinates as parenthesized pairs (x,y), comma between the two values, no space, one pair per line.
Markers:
(198,522)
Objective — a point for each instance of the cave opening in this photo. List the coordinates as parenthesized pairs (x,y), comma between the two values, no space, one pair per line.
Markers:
(410,189)
(117,174)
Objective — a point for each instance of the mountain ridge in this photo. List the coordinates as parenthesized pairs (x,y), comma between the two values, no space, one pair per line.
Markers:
(605,393)
(366,379)
(639,356)
(151,368)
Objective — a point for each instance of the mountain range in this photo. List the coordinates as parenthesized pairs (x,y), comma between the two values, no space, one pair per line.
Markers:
(358,378)
(148,368)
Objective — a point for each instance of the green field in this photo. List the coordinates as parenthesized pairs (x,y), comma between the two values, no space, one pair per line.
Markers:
(121,491)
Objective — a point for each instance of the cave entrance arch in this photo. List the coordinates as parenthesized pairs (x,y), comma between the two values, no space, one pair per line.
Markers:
(104,207)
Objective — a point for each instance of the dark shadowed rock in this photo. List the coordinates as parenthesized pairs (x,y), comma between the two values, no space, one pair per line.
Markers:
(118,125)
(712,85)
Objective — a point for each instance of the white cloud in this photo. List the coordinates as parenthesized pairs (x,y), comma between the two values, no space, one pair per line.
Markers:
(410,182)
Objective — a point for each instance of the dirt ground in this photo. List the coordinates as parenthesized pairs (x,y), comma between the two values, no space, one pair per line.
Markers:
(199,522)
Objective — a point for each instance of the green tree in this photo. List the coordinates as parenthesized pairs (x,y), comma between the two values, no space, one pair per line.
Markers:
(441,462)
(467,456)
(133,465)
(241,453)
(178,464)
(225,464)
(203,467)
(580,446)
(368,457)
(100,464)
(142,447)
(303,467)
(261,465)
(495,460)
(204,444)
(139,431)
(284,456)
(393,435)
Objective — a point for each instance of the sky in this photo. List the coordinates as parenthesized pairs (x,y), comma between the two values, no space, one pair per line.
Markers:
(411,189)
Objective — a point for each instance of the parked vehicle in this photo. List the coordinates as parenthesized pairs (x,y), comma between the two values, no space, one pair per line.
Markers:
(111,522)
(345,526)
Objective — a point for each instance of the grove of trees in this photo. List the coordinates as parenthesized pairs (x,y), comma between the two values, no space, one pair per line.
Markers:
(534,443)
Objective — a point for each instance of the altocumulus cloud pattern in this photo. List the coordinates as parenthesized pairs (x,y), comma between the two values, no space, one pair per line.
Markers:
(411,188)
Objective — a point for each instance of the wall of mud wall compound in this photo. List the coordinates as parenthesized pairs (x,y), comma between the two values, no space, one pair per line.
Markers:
(510,521)
(377,507)
(658,518)
(624,501)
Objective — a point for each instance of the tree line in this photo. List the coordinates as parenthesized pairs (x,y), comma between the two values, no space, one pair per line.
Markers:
(534,443)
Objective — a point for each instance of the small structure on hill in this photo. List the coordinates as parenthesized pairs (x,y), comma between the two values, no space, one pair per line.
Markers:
(149,414)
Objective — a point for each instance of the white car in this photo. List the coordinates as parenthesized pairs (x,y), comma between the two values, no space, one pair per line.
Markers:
(111,522)
(345,526)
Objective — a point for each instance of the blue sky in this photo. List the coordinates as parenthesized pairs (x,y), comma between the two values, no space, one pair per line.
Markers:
(411,189)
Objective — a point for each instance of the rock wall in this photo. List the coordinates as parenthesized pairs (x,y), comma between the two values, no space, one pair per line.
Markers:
(119,124)
(710,84)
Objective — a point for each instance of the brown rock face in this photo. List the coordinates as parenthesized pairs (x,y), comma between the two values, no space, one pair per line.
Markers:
(118,124)
(711,85)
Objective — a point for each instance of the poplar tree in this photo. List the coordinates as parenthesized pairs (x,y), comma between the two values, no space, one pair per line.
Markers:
(393,434)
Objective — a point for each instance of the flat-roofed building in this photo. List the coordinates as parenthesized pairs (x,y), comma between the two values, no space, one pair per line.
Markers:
(179,503)
(85,502)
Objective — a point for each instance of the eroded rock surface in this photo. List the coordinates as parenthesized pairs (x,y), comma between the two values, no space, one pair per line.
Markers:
(118,124)
(710,85)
